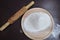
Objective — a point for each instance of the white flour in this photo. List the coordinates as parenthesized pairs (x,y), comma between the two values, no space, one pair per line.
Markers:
(37,21)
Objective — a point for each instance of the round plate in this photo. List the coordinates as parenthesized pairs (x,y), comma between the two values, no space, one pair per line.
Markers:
(42,35)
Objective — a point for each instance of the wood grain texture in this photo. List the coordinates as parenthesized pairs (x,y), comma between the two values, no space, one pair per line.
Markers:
(16,15)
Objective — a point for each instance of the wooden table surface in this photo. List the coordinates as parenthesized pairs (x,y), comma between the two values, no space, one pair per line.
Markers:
(10,7)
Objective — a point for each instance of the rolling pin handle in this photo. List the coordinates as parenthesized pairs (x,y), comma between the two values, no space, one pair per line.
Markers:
(4,26)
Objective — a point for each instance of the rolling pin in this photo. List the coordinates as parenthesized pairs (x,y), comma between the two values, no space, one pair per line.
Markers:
(16,16)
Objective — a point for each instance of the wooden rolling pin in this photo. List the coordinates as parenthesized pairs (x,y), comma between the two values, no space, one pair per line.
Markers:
(16,16)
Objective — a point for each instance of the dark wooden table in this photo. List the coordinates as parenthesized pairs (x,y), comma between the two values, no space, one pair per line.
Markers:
(10,7)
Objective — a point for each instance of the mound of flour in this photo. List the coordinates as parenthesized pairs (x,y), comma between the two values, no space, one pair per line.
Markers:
(37,21)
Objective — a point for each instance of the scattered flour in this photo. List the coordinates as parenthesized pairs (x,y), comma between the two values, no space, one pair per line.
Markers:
(37,21)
